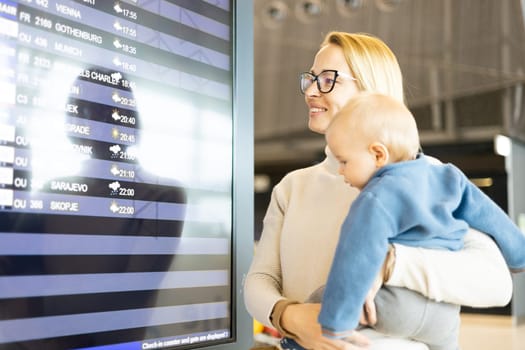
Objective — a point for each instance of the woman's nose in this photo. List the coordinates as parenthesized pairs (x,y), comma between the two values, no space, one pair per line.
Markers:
(312,90)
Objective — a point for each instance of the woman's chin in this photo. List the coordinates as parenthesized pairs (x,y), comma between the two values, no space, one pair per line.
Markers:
(317,126)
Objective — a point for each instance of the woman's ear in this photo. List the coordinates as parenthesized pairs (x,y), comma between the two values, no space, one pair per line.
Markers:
(380,152)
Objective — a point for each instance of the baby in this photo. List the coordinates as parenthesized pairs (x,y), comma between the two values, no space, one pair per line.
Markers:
(405,198)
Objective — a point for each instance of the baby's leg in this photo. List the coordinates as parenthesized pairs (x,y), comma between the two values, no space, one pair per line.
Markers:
(405,313)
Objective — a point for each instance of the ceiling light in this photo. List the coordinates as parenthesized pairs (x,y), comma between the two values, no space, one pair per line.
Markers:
(275,13)
(309,9)
(348,7)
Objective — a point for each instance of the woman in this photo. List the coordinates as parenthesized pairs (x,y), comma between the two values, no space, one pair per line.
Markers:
(302,223)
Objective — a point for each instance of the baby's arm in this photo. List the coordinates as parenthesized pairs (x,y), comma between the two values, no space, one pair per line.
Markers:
(476,276)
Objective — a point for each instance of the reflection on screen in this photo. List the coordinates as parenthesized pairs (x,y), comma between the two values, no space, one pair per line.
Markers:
(115,174)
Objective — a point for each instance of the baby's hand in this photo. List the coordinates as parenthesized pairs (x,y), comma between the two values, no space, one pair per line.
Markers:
(368,314)
(358,340)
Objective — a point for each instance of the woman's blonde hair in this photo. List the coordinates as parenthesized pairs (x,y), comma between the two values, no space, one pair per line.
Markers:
(371,62)
(372,117)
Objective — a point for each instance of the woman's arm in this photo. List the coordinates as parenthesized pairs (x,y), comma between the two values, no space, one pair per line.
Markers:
(476,276)
(263,283)
(263,288)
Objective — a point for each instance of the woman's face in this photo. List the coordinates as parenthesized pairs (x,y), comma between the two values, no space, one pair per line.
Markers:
(323,106)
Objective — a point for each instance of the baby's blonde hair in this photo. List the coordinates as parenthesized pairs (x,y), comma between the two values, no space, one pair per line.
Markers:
(375,117)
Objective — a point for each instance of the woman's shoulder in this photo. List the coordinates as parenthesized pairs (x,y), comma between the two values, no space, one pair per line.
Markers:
(308,174)
(305,171)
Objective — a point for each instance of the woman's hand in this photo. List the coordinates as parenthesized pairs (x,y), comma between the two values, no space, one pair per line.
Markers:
(301,320)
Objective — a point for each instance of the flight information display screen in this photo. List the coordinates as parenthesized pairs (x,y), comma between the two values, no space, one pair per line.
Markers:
(115,174)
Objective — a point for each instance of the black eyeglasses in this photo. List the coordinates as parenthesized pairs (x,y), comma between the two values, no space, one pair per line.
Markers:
(325,80)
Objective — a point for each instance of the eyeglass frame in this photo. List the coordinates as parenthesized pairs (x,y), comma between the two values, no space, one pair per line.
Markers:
(316,79)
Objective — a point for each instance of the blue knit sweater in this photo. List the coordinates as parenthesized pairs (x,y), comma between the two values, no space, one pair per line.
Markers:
(412,203)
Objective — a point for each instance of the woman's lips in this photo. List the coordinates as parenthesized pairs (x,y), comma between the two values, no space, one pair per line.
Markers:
(317,110)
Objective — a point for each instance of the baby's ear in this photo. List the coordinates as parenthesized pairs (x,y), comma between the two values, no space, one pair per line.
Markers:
(380,152)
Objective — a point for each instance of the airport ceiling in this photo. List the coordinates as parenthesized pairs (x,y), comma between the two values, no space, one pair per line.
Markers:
(448,50)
